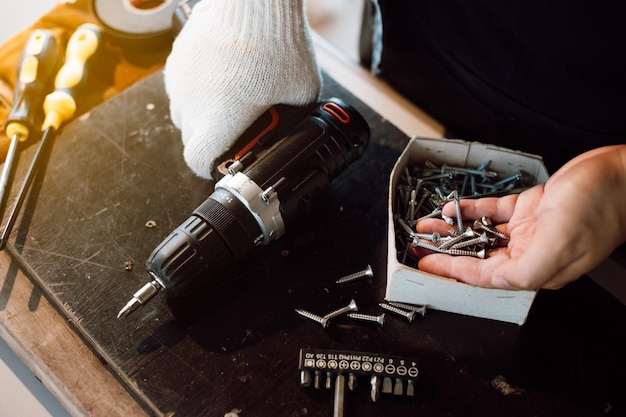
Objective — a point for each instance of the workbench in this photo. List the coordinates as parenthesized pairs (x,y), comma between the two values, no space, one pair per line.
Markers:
(66,274)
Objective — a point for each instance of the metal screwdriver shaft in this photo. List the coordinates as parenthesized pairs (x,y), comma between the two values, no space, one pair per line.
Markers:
(34,75)
(60,105)
(340,392)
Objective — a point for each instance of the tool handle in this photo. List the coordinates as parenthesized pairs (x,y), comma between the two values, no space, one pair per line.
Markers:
(60,105)
(36,68)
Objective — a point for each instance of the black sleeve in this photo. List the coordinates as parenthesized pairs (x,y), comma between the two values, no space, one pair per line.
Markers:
(542,77)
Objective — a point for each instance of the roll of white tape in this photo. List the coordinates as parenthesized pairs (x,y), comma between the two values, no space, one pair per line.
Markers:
(135,18)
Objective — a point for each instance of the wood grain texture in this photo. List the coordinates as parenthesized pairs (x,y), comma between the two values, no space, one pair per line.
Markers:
(54,352)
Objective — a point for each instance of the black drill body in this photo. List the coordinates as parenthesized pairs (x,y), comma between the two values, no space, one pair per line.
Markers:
(268,188)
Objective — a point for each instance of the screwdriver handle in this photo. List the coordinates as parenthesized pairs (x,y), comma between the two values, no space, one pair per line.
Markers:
(60,105)
(36,68)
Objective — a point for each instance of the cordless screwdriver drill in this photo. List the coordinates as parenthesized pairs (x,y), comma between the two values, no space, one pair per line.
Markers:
(268,184)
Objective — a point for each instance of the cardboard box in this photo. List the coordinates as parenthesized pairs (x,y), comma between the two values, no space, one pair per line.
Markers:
(409,285)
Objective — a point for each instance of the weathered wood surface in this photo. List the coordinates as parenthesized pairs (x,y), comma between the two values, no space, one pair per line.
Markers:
(54,352)
(121,165)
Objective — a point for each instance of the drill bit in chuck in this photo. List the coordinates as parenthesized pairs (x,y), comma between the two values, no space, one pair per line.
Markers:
(141,297)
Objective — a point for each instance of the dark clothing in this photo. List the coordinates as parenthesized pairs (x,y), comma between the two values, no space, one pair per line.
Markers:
(546,77)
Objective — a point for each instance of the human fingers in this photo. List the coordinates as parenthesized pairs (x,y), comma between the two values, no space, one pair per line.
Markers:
(498,209)
(467,269)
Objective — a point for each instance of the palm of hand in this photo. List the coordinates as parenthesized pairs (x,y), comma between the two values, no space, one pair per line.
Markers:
(558,231)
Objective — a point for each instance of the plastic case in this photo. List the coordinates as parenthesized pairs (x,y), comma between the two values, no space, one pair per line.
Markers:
(409,285)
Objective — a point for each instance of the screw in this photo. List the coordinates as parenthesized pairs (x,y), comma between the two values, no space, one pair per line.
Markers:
(467,233)
(433,237)
(321,320)
(485,224)
(429,246)
(447,175)
(475,241)
(512,178)
(350,307)
(478,171)
(366,317)
(457,252)
(404,225)
(412,206)
(409,178)
(460,252)
(367,272)
(457,205)
(448,220)
(421,310)
(409,315)
(454,195)
(436,212)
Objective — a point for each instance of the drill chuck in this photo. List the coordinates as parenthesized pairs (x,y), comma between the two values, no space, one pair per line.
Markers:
(265,191)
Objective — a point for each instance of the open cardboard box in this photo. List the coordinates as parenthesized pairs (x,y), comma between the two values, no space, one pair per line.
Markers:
(409,285)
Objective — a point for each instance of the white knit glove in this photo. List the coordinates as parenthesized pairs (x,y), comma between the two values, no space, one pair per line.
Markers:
(233,60)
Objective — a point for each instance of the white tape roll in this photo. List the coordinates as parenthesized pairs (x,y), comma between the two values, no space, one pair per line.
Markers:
(135,18)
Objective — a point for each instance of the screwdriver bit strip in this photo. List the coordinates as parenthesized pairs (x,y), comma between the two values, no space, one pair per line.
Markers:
(383,367)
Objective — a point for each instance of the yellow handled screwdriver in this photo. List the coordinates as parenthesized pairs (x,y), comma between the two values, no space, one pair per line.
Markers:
(60,105)
(35,70)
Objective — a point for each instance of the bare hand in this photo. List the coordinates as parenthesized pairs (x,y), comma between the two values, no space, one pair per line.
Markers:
(558,230)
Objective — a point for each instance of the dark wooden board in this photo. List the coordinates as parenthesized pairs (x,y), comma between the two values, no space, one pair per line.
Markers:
(121,165)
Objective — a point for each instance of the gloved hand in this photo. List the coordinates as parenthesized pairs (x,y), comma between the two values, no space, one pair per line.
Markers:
(233,60)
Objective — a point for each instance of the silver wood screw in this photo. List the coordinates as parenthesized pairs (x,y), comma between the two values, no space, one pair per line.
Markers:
(512,178)
(464,235)
(433,237)
(319,319)
(412,206)
(457,252)
(436,212)
(367,272)
(380,320)
(454,195)
(460,252)
(421,310)
(478,171)
(429,246)
(485,224)
(408,314)
(475,241)
(350,307)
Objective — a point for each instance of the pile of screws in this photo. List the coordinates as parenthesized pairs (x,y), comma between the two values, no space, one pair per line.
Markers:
(421,193)
(408,311)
